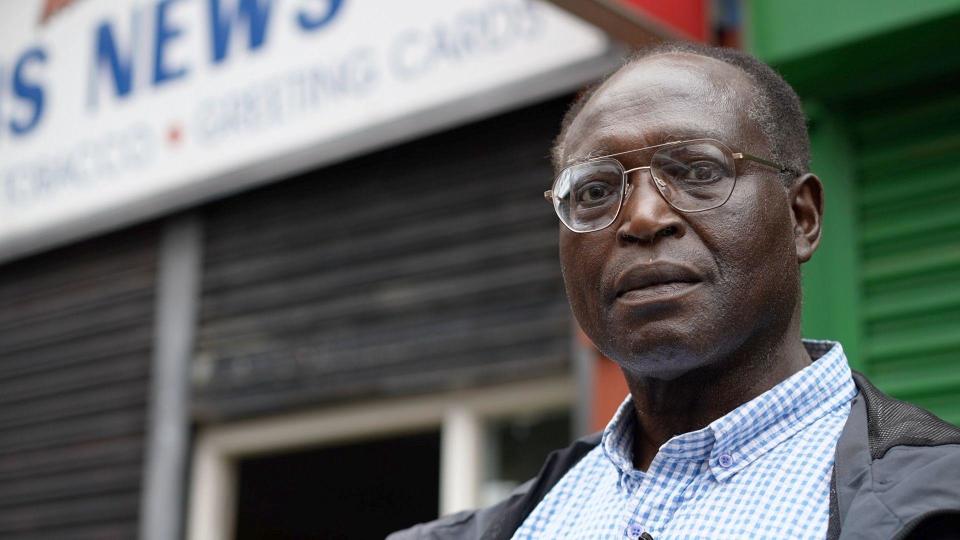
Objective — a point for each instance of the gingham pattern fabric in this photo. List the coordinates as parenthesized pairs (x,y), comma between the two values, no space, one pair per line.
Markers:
(761,471)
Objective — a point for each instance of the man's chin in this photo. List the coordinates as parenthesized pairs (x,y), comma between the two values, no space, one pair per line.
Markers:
(662,361)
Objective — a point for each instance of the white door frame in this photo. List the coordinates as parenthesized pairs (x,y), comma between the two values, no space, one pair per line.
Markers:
(460,416)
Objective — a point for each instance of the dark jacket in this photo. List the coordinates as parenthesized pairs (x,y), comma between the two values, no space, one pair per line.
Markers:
(896,475)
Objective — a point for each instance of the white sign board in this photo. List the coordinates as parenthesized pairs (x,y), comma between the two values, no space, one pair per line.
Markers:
(113,111)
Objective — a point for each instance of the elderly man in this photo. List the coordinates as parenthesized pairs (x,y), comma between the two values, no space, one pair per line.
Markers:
(686,210)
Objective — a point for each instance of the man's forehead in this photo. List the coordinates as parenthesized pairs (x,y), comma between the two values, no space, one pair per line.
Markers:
(606,145)
(660,99)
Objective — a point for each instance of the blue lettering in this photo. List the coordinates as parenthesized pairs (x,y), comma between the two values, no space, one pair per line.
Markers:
(313,21)
(107,53)
(409,54)
(29,91)
(162,35)
(257,14)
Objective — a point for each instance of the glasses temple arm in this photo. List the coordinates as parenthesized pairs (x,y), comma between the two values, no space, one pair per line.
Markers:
(772,165)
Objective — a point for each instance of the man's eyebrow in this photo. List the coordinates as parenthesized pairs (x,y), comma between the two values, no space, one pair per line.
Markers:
(686,135)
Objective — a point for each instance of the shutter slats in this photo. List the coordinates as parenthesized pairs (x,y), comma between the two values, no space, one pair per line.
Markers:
(904,158)
(119,451)
(892,188)
(909,301)
(329,276)
(76,329)
(423,267)
(394,298)
(941,217)
(909,193)
(123,339)
(908,261)
(66,515)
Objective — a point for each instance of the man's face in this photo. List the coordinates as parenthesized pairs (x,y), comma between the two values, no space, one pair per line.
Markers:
(663,292)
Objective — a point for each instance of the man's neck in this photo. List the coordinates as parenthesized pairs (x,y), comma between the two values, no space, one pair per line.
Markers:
(665,408)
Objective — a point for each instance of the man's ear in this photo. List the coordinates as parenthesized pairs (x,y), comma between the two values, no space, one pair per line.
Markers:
(806,204)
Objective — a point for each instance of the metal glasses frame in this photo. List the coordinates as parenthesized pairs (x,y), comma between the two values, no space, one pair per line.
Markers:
(737,156)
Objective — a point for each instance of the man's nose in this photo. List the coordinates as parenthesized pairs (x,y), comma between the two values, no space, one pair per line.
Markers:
(646,216)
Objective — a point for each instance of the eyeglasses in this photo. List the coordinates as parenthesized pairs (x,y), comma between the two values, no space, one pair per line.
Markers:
(692,176)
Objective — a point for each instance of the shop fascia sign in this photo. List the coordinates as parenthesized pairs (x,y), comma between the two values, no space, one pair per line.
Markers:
(112,112)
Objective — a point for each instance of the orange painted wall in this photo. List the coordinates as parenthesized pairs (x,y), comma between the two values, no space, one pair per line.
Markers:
(609,389)
(689,17)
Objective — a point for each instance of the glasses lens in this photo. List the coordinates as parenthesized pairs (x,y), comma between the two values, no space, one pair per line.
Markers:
(587,196)
(694,176)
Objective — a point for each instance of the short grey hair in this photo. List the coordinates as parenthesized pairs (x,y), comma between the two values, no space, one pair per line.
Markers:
(775,105)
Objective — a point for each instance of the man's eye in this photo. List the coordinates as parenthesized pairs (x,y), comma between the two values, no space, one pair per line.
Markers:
(594,193)
(702,172)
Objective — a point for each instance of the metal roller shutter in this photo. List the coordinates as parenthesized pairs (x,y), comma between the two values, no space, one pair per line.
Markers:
(425,266)
(909,205)
(75,347)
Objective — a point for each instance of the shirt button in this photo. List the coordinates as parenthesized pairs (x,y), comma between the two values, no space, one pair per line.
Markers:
(725,460)
(634,531)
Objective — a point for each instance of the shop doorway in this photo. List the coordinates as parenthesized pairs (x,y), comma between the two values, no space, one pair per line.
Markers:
(362,489)
(327,467)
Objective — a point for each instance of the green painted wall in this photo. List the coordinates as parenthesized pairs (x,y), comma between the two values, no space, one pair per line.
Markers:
(831,302)
(781,30)
(835,51)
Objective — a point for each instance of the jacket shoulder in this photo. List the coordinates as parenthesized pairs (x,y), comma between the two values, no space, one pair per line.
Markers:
(502,519)
(891,422)
(896,472)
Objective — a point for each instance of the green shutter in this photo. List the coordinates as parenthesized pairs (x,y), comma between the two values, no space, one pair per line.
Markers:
(908,206)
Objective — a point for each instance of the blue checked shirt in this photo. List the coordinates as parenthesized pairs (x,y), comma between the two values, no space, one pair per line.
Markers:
(761,471)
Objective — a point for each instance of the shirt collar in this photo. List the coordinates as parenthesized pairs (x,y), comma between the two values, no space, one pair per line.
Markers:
(738,438)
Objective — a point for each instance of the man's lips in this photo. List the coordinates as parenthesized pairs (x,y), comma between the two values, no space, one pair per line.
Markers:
(654,279)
